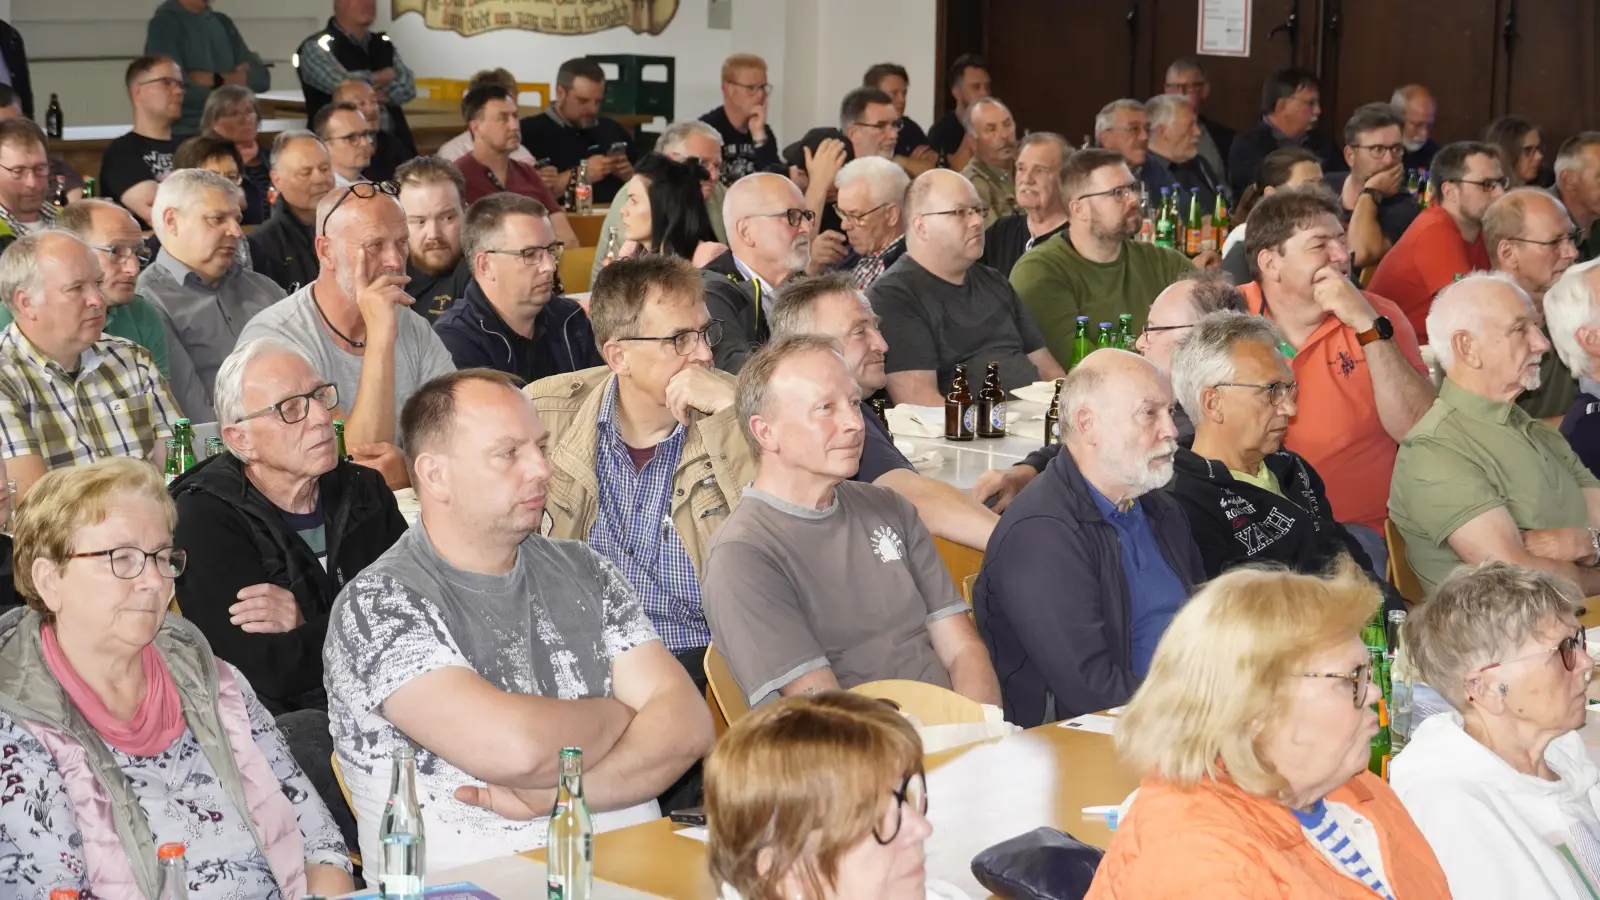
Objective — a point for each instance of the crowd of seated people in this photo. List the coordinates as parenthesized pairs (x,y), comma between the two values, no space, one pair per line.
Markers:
(614,485)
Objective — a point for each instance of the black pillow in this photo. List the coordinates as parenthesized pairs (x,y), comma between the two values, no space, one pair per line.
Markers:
(1043,864)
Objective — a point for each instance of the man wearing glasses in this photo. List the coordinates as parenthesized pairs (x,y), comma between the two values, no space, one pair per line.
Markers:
(1377,207)
(1478,479)
(871,209)
(748,142)
(1445,241)
(135,164)
(350,140)
(1291,103)
(1172,156)
(646,458)
(277,525)
(769,239)
(1185,77)
(510,318)
(24,177)
(1529,236)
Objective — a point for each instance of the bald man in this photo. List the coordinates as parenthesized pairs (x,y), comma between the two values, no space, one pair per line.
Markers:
(939,310)
(389,149)
(1096,520)
(769,239)
(1530,238)
(1417,109)
(350,323)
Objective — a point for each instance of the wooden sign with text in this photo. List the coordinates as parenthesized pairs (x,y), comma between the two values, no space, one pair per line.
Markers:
(470,17)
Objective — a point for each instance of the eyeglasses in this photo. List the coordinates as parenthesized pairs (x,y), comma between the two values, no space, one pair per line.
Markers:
(1277,391)
(1568,648)
(793,216)
(1381,149)
(1532,150)
(961,212)
(914,790)
(532,256)
(234,177)
(762,88)
(1122,193)
(295,409)
(363,190)
(1574,237)
(1136,128)
(129,562)
(356,137)
(880,126)
(126,252)
(1487,185)
(1184,87)
(174,83)
(1359,680)
(1151,329)
(685,342)
(21,172)
(850,218)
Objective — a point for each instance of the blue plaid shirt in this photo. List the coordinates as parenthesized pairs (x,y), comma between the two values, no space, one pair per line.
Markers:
(633,529)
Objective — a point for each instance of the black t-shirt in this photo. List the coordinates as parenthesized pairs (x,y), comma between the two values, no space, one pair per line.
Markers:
(911,137)
(131,160)
(1394,213)
(947,134)
(566,146)
(878,452)
(740,155)
(436,293)
(1008,238)
(388,154)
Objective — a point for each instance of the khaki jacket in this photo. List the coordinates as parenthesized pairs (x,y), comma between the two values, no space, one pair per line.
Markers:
(996,190)
(713,471)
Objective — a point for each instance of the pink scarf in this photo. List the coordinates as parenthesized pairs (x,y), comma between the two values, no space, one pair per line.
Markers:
(155,724)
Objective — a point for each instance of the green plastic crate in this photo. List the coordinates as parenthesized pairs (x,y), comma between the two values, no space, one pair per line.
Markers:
(630,92)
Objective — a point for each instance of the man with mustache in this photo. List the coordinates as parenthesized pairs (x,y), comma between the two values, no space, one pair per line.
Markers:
(1477,478)
(994,155)
(1291,102)
(1530,237)
(940,309)
(789,626)
(1041,160)
(350,323)
(1124,126)
(769,239)
(432,193)
(1089,565)
(1416,107)
(69,394)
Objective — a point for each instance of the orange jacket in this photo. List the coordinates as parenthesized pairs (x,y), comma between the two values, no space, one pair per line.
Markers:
(1215,840)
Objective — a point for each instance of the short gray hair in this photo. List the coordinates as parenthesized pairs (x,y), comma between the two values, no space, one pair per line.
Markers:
(889,181)
(182,189)
(1162,109)
(794,311)
(1570,157)
(1081,387)
(229,391)
(224,100)
(672,140)
(1048,137)
(285,138)
(1205,358)
(1479,614)
(966,121)
(1568,306)
(1453,310)
(19,264)
(1106,118)
(755,376)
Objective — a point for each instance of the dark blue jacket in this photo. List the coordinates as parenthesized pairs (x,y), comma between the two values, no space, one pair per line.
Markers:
(476,336)
(1051,601)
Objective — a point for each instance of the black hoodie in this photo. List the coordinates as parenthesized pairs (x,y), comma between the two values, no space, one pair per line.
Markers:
(285,250)
(235,538)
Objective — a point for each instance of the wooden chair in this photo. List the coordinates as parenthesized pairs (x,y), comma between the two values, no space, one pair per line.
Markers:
(1400,573)
(931,704)
(959,559)
(587,228)
(575,266)
(724,687)
(967,584)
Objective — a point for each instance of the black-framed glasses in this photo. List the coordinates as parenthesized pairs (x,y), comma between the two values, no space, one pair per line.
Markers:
(892,125)
(356,137)
(20,172)
(961,212)
(1184,87)
(532,256)
(792,215)
(1277,391)
(295,409)
(1156,329)
(1574,237)
(848,218)
(1359,680)
(128,562)
(363,190)
(1122,193)
(126,252)
(1568,648)
(764,87)
(175,83)
(1487,184)
(1381,149)
(914,790)
(685,342)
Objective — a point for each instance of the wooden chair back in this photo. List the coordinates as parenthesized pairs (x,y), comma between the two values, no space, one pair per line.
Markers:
(1400,573)
(724,687)
(931,704)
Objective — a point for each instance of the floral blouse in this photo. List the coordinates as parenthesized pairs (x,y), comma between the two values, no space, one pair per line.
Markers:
(40,848)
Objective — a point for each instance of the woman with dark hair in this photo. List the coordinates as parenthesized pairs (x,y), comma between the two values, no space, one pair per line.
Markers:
(666,212)
(1287,167)
(1521,146)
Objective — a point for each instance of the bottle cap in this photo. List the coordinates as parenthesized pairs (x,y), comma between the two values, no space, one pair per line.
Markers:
(169,851)
(572,751)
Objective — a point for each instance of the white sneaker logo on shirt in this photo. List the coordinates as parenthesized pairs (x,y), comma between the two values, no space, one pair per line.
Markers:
(887,545)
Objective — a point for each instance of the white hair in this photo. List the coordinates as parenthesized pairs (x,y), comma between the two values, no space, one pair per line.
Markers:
(672,140)
(1162,109)
(1106,118)
(889,181)
(1205,358)
(19,264)
(1454,309)
(182,189)
(978,104)
(229,390)
(1568,306)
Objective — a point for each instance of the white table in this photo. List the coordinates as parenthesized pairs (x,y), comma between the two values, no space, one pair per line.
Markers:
(964,461)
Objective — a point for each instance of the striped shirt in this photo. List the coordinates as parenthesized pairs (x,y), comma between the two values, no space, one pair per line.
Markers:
(47,219)
(1341,845)
(116,404)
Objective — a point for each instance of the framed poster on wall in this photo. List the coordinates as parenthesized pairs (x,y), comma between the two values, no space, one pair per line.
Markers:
(470,17)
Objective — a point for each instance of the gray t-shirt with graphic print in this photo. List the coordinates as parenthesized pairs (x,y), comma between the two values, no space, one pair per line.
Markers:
(854,587)
(550,628)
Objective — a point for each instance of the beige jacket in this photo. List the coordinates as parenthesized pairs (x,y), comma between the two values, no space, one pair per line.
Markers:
(713,471)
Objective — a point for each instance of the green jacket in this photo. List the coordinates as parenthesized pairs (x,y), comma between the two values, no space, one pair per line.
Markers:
(137,320)
(201,42)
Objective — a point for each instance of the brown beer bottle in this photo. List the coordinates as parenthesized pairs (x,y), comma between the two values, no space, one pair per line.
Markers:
(1052,417)
(882,411)
(959,414)
(991,404)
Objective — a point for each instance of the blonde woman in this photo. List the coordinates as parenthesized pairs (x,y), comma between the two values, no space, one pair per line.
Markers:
(1252,734)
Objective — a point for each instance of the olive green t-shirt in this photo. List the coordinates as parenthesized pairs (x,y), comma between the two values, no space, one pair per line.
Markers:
(1057,286)
(138,320)
(1468,455)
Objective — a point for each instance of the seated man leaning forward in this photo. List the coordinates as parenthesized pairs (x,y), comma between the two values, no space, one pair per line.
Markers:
(788,625)
(488,648)
(1477,478)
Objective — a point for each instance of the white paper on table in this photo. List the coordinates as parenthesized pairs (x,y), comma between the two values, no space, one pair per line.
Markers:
(1092,722)
(515,878)
(1038,392)
(927,421)
(972,810)
(695,832)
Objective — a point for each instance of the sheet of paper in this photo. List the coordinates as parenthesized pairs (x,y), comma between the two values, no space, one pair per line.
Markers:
(694,832)
(1224,28)
(1092,722)
(973,810)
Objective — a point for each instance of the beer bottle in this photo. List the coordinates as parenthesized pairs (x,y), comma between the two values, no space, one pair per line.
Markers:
(174,883)
(991,404)
(1192,231)
(174,459)
(611,248)
(184,432)
(882,410)
(570,846)
(583,193)
(1375,635)
(58,194)
(1401,680)
(214,447)
(1164,223)
(1147,219)
(54,124)
(1219,222)
(1427,189)
(401,839)
(1125,331)
(1413,187)
(1080,342)
(1052,417)
(1104,338)
(338,436)
(89,187)
(960,416)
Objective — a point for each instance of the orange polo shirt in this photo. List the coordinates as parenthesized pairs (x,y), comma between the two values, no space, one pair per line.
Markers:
(1423,262)
(1337,429)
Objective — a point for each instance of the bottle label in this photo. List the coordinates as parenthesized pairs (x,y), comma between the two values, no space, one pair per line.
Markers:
(1055,431)
(997,416)
(969,419)
(555,889)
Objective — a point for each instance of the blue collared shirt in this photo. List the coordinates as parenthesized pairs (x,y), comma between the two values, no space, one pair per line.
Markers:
(1155,592)
(633,529)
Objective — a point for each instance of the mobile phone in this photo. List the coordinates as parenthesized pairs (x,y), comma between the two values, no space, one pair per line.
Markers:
(620,148)
(694,815)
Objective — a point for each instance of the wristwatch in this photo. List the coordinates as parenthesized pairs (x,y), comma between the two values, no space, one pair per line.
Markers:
(1381,330)
(1374,193)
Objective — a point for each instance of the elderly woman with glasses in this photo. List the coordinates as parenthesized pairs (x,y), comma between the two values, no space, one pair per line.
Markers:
(1252,733)
(1503,786)
(119,729)
(820,797)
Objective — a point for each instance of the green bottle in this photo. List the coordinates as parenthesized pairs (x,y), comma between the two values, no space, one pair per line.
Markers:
(173,461)
(1382,744)
(1104,338)
(214,447)
(338,436)
(1219,222)
(183,431)
(1192,232)
(1125,331)
(570,845)
(1081,346)
(1164,220)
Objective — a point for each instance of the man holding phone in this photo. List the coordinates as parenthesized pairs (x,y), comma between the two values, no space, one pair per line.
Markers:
(571,131)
